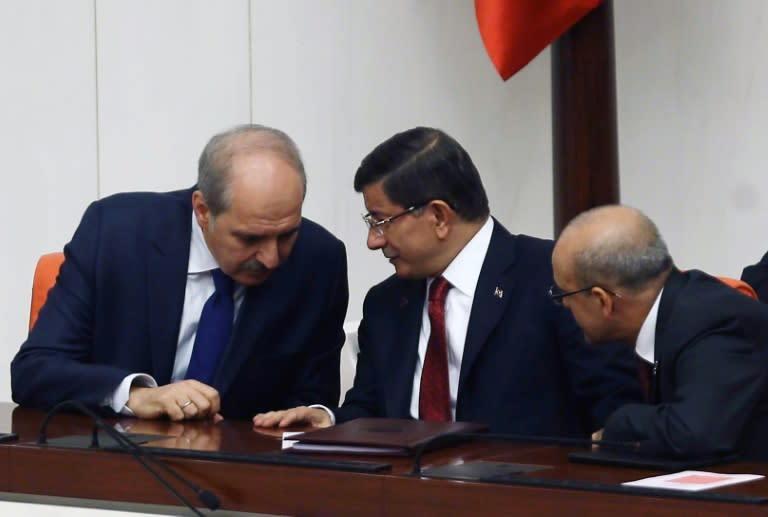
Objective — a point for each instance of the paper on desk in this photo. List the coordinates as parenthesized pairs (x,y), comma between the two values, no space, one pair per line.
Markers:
(693,480)
(287,444)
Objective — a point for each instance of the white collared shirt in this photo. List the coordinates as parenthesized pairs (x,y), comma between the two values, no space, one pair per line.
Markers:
(198,289)
(645,346)
(463,273)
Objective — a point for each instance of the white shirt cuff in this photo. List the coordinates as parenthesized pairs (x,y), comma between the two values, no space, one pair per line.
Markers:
(330,413)
(120,396)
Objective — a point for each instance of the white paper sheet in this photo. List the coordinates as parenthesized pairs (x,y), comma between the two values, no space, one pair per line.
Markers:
(287,444)
(693,480)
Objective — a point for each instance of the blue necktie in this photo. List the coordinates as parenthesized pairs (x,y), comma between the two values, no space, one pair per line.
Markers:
(214,329)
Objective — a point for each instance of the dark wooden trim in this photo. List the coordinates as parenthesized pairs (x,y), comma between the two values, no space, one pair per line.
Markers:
(102,478)
(584,135)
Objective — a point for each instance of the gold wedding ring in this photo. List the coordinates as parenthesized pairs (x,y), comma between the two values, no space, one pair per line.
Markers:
(187,403)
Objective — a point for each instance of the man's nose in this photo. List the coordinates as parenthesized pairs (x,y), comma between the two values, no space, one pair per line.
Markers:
(268,254)
(375,240)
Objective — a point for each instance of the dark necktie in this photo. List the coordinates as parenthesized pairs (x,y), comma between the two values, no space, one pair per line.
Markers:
(645,374)
(214,329)
(434,395)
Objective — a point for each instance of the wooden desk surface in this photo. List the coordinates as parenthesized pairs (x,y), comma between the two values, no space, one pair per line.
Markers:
(27,468)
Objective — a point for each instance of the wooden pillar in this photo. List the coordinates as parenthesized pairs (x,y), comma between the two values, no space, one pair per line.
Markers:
(584,135)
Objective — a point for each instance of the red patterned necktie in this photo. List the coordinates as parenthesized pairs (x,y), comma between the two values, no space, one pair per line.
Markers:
(434,396)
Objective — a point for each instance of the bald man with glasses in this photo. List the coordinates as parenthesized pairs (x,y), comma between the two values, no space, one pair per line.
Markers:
(464,329)
(705,343)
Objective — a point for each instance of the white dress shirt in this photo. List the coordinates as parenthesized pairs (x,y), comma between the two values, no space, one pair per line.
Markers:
(646,338)
(198,289)
(463,273)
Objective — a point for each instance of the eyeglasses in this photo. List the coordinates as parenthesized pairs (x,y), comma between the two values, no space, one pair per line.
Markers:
(378,226)
(556,294)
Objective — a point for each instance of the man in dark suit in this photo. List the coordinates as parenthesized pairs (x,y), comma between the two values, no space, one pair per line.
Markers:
(119,329)
(510,357)
(756,275)
(705,343)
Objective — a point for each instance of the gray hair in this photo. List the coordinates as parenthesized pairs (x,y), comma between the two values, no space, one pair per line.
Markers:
(630,259)
(213,170)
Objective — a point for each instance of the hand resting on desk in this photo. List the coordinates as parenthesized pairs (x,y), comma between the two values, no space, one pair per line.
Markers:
(315,417)
(183,400)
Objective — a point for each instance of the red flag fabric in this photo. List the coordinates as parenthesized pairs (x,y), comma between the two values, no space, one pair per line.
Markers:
(516,31)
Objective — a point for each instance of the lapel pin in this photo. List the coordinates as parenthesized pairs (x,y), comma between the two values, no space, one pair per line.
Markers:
(498,292)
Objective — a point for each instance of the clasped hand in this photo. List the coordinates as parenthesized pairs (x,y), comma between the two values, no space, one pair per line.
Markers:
(182,400)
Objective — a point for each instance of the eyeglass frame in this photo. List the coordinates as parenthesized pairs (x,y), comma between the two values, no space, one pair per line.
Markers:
(378,226)
(557,297)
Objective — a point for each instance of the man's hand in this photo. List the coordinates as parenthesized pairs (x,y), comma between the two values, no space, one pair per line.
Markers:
(316,417)
(181,400)
(596,437)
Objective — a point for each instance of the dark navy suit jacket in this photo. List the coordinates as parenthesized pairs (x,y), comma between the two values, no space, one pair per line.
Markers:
(525,367)
(712,379)
(756,275)
(117,304)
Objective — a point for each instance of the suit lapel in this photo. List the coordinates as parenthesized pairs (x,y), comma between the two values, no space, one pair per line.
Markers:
(405,345)
(668,337)
(492,295)
(166,277)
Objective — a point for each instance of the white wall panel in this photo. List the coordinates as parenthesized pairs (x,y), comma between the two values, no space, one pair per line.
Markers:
(343,76)
(693,107)
(171,74)
(48,145)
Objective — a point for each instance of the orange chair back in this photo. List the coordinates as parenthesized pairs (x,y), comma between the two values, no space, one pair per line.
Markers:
(47,270)
(739,285)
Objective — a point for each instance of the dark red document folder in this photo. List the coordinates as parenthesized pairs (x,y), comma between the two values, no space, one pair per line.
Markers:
(380,436)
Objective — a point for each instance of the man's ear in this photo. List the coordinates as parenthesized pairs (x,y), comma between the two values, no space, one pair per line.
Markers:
(606,301)
(442,216)
(200,207)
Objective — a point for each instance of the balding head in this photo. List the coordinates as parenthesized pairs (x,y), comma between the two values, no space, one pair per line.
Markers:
(613,245)
(215,165)
(610,263)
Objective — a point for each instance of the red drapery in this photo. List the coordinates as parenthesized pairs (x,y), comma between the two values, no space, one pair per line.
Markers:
(515,31)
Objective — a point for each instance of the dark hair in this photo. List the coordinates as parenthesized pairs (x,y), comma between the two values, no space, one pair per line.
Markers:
(424,164)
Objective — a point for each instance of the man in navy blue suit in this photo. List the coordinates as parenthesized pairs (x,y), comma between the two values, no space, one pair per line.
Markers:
(118,330)
(515,360)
